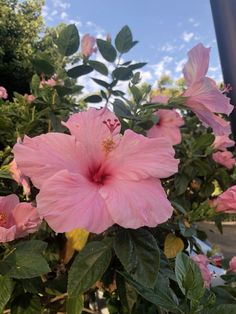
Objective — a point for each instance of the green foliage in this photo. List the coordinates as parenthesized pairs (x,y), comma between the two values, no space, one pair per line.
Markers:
(88,267)
(20,24)
(138,252)
(68,41)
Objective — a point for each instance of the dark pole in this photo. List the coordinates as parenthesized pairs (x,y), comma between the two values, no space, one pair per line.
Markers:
(224,16)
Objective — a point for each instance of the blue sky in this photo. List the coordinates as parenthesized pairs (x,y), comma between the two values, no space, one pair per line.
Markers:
(165,29)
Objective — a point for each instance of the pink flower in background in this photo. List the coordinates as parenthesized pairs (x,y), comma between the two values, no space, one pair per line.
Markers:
(19,177)
(225,159)
(221,142)
(203,95)
(16,219)
(160,99)
(53,81)
(3,93)
(226,202)
(232,264)
(167,126)
(95,177)
(202,262)
(29,98)
(87,45)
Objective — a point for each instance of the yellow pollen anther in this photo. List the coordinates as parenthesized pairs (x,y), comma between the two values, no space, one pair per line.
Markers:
(108,145)
(3,219)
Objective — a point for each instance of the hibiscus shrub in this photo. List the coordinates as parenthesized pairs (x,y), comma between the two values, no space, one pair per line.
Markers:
(101,209)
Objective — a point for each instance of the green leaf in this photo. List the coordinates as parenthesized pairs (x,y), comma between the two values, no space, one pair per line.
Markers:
(181,183)
(189,277)
(79,70)
(136,93)
(223,308)
(124,40)
(136,66)
(7,286)
(68,40)
(93,99)
(139,254)
(35,83)
(27,304)
(127,293)
(122,74)
(203,141)
(5,174)
(88,266)
(43,66)
(75,305)
(102,83)
(160,295)
(121,109)
(99,67)
(107,50)
(26,261)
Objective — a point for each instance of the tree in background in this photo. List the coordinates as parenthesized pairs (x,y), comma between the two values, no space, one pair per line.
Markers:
(20,25)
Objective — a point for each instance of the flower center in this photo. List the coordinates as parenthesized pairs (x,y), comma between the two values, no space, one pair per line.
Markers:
(3,219)
(98,175)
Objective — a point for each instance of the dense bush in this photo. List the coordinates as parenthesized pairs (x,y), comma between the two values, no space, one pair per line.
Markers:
(103,222)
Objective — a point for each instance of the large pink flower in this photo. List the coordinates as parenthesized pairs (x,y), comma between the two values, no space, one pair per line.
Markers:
(221,142)
(203,96)
(95,177)
(16,219)
(232,264)
(167,126)
(19,177)
(225,159)
(202,262)
(87,45)
(226,202)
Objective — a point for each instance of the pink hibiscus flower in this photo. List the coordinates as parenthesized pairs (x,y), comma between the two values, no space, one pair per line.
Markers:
(16,219)
(95,177)
(202,262)
(226,202)
(232,264)
(3,93)
(87,45)
(221,142)
(225,159)
(167,126)
(203,96)
(29,98)
(19,177)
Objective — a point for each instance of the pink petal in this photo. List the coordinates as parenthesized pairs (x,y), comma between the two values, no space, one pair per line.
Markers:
(133,204)
(222,142)
(8,203)
(7,234)
(89,129)
(42,156)
(225,159)
(197,64)
(26,219)
(68,201)
(219,125)
(206,93)
(138,157)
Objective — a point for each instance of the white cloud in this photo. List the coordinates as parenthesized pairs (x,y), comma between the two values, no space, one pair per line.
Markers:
(45,10)
(167,47)
(64,15)
(187,36)
(54,12)
(179,65)
(161,67)
(61,4)
(76,22)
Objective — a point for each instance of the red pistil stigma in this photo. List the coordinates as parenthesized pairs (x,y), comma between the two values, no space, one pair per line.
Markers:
(111,126)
